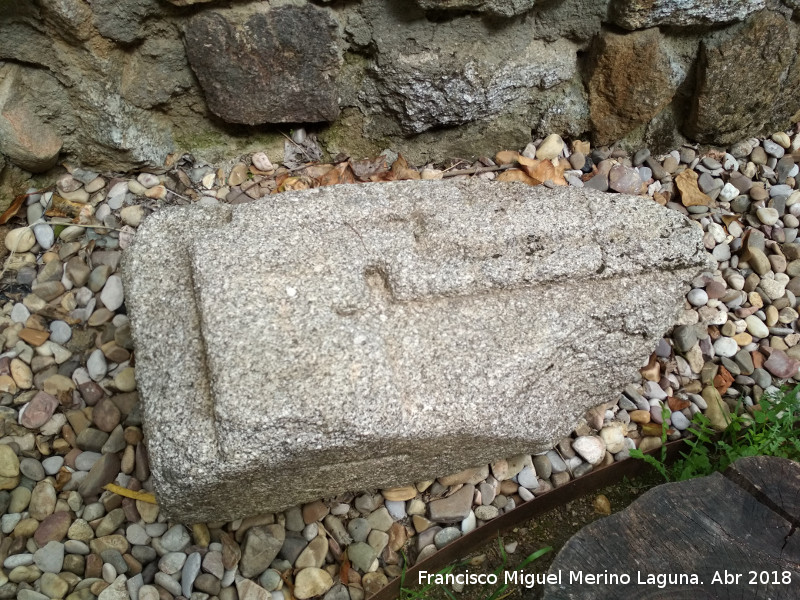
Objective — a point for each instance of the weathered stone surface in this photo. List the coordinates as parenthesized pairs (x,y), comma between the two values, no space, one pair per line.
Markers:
(429,90)
(312,345)
(123,21)
(504,8)
(746,83)
(155,72)
(577,20)
(266,65)
(631,81)
(428,78)
(58,83)
(639,14)
(24,138)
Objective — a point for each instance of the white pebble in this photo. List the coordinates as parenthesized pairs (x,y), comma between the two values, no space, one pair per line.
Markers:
(756,327)
(735,229)
(728,192)
(697,297)
(20,313)
(768,216)
(44,235)
(726,347)
(21,239)
(97,365)
(717,232)
(261,162)
(148,180)
(113,294)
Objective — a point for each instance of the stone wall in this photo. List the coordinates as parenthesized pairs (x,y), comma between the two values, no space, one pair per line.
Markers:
(118,85)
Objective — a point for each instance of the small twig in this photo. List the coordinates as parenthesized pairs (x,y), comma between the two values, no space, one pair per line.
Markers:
(303,150)
(454,165)
(478,170)
(89,226)
(178,195)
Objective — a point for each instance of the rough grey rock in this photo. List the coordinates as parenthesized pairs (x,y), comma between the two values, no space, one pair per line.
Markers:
(123,21)
(453,80)
(503,8)
(57,83)
(155,72)
(24,138)
(354,320)
(747,83)
(262,64)
(639,14)
(577,20)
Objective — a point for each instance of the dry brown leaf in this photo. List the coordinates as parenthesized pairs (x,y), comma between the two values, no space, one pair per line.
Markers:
(341,173)
(399,163)
(13,208)
(517,175)
(61,207)
(121,491)
(690,193)
(401,170)
(409,174)
(544,170)
(505,157)
(651,371)
(344,570)
(315,171)
(62,478)
(728,219)
(295,183)
(369,167)
(382,177)
(723,380)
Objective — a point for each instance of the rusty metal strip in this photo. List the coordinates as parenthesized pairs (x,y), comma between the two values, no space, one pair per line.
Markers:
(576,488)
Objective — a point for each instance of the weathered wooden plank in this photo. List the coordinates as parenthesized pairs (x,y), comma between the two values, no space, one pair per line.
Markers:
(703,538)
(775,481)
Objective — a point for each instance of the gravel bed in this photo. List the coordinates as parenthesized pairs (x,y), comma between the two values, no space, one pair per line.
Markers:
(71,420)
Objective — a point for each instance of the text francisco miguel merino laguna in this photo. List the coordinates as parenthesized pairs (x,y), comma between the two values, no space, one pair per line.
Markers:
(529,580)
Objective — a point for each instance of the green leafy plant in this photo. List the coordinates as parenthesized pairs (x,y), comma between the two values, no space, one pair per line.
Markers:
(770,431)
(659,464)
(486,592)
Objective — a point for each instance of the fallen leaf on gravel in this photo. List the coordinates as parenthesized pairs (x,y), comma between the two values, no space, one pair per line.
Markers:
(63,477)
(517,175)
(505,157)
(368,167)
(661,197)
(401,170)
(293,184)
(690,193)
(344,570)
(544,170)
(728,219)
(652,371)
(341,173)
(13,208)
(61,207)
(653,429)
(121,491)
(315,171)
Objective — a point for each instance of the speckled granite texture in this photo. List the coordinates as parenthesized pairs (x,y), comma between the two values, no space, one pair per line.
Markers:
(370,335)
